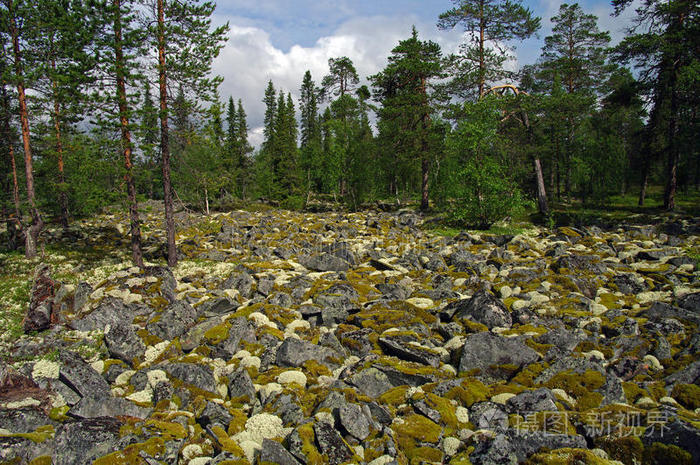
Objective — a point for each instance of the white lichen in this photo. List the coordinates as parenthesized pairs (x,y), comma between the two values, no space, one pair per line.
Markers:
(45,369)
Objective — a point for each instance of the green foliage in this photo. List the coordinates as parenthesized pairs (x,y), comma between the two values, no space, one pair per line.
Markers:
(477,189)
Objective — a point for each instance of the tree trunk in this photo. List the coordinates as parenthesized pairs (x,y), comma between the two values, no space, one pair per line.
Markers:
(425,168)
(164,139)
(206,200)
(136,253)
(645,180)
(32,236)
(541,192)
(482,64)
(62,196)
(673,155)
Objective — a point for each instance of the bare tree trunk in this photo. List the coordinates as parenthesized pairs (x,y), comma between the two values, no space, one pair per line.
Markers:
(32,235)
(425,168)
(164,139)
(541,192)
(136,253)
(62,196)
(645,180)
(206,200)
(673,155)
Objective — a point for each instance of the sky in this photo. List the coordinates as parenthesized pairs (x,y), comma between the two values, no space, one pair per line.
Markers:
(279,40)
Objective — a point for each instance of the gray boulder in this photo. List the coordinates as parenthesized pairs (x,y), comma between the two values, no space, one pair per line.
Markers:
(196,375)
(110,312)
(174,321)
(274,452)
(124,344)
(294,353)
(483,352)
(331,444)
(107,406)
(353,419)
(86,440)
(483,307)
(325,262)
(81,377)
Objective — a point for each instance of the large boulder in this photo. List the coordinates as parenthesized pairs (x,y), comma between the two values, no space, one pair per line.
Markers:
(483,307)
(485,354)
(295,352)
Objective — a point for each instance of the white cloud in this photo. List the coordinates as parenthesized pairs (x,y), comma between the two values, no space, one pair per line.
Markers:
(249,59)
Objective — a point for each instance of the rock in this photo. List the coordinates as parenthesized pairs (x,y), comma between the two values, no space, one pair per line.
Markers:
(578,263)
(483,307)
(331,444)
(482,351)
(213,414)
(527,443)
(123,343)
(661,310)
(240,385)
(194,336)
(410,352)
(174,321)
(81,377)
(274,452)
(294,353)
(81,296)
(219,306)
(40,315)
(241,330)
(539,400)
(23,420)
(325,262)
(242,282)
(111,311)
(196,375)
(354,421)
(371,382)
(498,451)
(84,441)
(691,302)
(676,432)
(357,342)
(167,281)
(107,406)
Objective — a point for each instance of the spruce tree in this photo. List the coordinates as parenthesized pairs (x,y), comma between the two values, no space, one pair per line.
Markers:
(310,150)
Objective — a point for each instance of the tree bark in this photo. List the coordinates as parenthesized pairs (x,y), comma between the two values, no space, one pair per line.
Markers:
(541,192)
(645,180)
(136,253)
(482,64)
(164,139)
(673,155)
(62,196)
(32,236)
(425,168)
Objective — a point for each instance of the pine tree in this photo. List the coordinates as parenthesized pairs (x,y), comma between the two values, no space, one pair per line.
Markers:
(18,33)
(150,141)
(243,148)
(342,78)
(186,48)
(491,23)
(403,87)
(662,44)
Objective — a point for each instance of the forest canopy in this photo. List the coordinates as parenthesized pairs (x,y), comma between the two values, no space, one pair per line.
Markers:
(105,102)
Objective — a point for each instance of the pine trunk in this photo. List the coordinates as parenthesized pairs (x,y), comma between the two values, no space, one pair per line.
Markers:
(425,167)
(164,139)
(673,155)
(32,235)
(136,253)
(541,192)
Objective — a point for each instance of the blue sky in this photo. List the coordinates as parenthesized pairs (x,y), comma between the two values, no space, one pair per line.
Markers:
(281,39)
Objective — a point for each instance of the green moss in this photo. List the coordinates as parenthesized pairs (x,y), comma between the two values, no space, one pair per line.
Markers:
(469,392)
(167,430)
(43,460)
(59,413)
(413,434)
(217,334)
(580,386)
(308,448)
(662,454)
(688,395)
(41,434)
(394,396)
(566,456)
(628,450)
(527,375)
(237,424)
(632,391)
(130,454)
